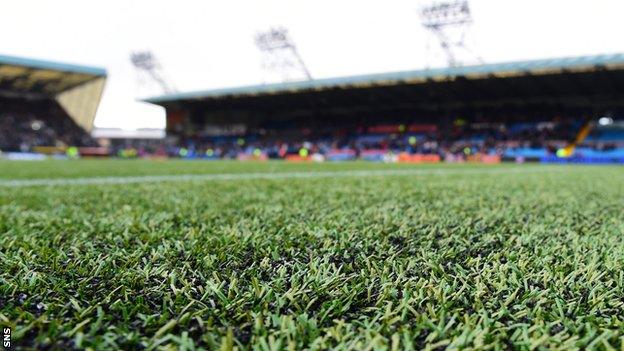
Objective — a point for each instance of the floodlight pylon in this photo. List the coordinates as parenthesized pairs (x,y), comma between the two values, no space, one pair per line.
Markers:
(280,54)
(150,72)
(449,22)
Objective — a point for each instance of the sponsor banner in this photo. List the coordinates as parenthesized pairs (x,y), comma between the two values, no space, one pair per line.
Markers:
(156,157)
(374,155)
(340,155)
(385,129)
(481,158)
(422,128)
(24,156)
(418,158)
(297,158)
(49,150)
(584,160)
(251,157)
(93,151)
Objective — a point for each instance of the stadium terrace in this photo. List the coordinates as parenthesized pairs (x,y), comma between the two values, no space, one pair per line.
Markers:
(526,109)
(45,106)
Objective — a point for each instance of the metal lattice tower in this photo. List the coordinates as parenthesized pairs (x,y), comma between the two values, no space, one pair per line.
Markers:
(280,55)
(150,72)
(450,22)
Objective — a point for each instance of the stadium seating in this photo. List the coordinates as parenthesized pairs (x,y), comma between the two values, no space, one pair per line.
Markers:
(488,142)
(44,127)
(26,126)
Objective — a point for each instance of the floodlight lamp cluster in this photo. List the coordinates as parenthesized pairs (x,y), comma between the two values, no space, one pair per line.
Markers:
(446,13)
(274,39)
(149,68)
(144,60)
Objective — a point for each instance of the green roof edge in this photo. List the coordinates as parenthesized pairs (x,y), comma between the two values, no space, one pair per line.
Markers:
(51,65)
(489,68)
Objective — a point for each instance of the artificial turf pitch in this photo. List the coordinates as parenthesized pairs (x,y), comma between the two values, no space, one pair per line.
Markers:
(467,257)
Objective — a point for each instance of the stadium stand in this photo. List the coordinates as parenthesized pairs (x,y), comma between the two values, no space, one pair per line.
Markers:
(518,110)
(142,142)
(47,106)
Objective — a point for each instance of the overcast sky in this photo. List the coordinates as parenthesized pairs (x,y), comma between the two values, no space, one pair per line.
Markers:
(209,44)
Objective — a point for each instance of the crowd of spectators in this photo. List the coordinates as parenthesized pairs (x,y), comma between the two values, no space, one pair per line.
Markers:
(46,124)
(460,139)
(43,123)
